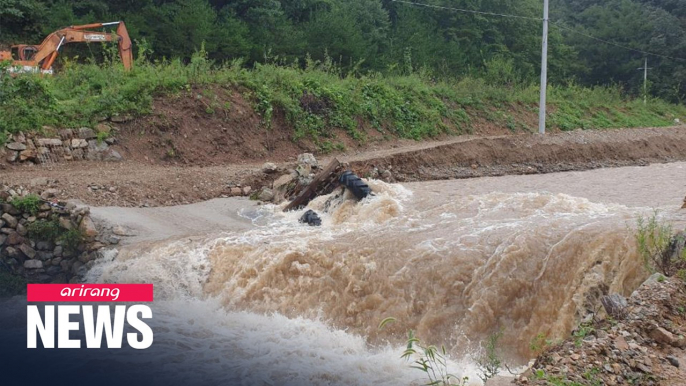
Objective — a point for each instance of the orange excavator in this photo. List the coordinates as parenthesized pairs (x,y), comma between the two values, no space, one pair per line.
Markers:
(28,58)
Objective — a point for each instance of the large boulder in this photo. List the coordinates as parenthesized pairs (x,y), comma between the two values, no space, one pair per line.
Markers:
(281,185)
(266,195)
(28,155)
(48,142)
(78,143)
(28,251)
(86,133)
(12,156)
(10,220)
(307,159)
(112,155)
(269,167)
(66,133)
(16,146)
(121,118)
(87,228)
(14,238)
(33,264)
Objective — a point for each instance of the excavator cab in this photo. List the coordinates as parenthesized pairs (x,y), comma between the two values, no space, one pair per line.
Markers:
(24,52)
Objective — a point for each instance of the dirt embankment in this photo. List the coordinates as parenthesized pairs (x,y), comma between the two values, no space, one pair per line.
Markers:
(216,126)
(531,154)
(206,127)
(137,182)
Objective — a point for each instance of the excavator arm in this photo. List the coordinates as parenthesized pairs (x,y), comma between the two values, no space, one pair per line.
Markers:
(44,55)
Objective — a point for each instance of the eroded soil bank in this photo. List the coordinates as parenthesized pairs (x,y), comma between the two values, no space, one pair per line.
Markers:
(141,183)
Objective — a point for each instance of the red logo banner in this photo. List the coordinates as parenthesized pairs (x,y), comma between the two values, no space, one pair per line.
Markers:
(85,293)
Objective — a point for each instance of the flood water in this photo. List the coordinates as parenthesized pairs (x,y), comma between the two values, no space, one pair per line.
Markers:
(456,261)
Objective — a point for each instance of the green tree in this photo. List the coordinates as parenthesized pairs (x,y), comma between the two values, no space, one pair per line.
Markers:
(348,31)
(21,19)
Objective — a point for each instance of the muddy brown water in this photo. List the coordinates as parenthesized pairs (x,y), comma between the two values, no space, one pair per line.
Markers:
(454,260)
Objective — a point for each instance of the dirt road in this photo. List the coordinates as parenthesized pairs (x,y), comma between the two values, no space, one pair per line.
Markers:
(135,183)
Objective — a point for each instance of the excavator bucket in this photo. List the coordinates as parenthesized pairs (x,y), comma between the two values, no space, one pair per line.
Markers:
(125,47)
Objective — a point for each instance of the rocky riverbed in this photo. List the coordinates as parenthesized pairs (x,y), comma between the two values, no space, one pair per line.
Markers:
(642,345)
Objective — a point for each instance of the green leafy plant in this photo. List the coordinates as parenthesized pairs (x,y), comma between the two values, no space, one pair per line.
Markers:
(430,360)
(539,344)
(102,136)
(489,361)
(581,332)
(30,203)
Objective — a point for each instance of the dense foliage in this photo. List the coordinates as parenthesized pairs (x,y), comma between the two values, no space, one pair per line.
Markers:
(394,37)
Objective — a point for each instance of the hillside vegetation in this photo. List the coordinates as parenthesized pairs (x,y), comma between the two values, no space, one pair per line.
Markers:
(315,98)
(409,69)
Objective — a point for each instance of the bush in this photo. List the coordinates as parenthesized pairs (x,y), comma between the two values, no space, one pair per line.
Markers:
(11,285)
(45,230)
(71,240)
(29,203)
(50,230)
(661,250)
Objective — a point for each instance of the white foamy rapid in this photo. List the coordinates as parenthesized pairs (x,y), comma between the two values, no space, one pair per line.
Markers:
(286,303)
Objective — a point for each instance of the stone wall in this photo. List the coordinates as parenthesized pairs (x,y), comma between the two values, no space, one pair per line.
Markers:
(53,242)
(63,145)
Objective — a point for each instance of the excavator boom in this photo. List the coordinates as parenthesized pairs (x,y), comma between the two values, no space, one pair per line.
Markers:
(41,57)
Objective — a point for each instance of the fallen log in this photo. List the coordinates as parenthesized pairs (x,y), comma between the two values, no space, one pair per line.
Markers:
(322,180)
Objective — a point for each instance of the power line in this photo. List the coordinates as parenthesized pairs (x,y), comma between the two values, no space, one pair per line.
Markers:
(467,10)
(557,24)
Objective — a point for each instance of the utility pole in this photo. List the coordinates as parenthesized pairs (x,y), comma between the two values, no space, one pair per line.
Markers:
(645,69)
(544,71)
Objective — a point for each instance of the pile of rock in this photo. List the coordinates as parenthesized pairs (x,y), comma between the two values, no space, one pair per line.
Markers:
(283,187)
(67,145)
(382,174)
(642,345)
(237,190)
(49,242)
